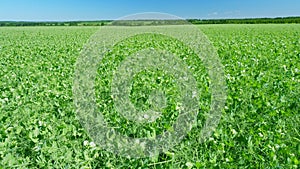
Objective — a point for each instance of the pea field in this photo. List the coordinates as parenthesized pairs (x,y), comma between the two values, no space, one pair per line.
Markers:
(259,126)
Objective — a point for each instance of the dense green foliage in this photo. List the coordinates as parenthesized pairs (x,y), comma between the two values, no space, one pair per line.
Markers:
(54,23)
(147,81)
(279,20)
(259,127)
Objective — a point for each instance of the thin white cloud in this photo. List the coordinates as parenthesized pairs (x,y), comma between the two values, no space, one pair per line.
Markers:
(226,14)
(213,14)
(232,13)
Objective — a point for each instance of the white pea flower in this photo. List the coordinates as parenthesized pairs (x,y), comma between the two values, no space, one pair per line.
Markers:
(85,143)
(92,144)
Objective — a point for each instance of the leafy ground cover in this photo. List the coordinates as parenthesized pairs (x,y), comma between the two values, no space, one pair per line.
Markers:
(259,127)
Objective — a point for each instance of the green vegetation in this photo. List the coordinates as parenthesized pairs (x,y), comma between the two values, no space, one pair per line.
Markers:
(279,20)
(55,23)
(259,127)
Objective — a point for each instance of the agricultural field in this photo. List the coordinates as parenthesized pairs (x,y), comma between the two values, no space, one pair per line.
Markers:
(259,126)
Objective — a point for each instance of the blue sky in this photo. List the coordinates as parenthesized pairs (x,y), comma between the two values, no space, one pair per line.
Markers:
(61,10)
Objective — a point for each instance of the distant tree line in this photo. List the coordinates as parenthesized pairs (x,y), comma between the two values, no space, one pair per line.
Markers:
(279,20)
(148,22)
(53,23)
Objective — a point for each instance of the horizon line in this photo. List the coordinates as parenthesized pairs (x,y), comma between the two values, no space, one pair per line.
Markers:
(107,20)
